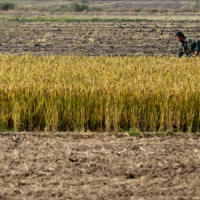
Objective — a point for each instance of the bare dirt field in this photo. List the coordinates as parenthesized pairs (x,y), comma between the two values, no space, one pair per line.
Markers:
(98,166)
(94,38)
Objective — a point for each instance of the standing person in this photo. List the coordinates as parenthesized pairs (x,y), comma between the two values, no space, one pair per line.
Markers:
(188,45)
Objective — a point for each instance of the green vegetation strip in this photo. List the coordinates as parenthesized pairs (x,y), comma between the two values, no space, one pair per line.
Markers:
(40,19)
(74,19)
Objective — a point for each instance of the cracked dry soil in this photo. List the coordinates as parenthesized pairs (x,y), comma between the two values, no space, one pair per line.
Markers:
(98,166)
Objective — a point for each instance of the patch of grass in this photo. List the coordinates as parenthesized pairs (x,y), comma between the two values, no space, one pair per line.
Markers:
(75,7)
(132,132)
(192,7)
(7,6)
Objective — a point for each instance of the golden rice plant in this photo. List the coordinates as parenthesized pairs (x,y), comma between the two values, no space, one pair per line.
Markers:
(73,93)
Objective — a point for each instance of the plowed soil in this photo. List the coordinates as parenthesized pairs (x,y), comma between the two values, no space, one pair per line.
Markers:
(94,38)
(98,166)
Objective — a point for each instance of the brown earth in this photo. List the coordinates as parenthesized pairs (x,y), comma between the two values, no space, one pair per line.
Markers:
(94,38)
(98,166)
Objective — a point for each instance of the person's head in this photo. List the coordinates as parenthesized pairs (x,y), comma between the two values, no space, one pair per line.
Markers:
(180,37)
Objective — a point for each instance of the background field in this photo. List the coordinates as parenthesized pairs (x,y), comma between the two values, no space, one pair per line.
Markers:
(94,35)
(109,6)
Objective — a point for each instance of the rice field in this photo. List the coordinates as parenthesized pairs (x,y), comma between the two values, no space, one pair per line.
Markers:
(80,93)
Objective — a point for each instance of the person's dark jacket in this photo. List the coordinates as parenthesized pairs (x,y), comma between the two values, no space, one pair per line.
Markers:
(188,47)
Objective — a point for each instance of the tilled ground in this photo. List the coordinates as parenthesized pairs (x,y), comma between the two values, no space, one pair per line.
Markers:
(98,166)
(94,38)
